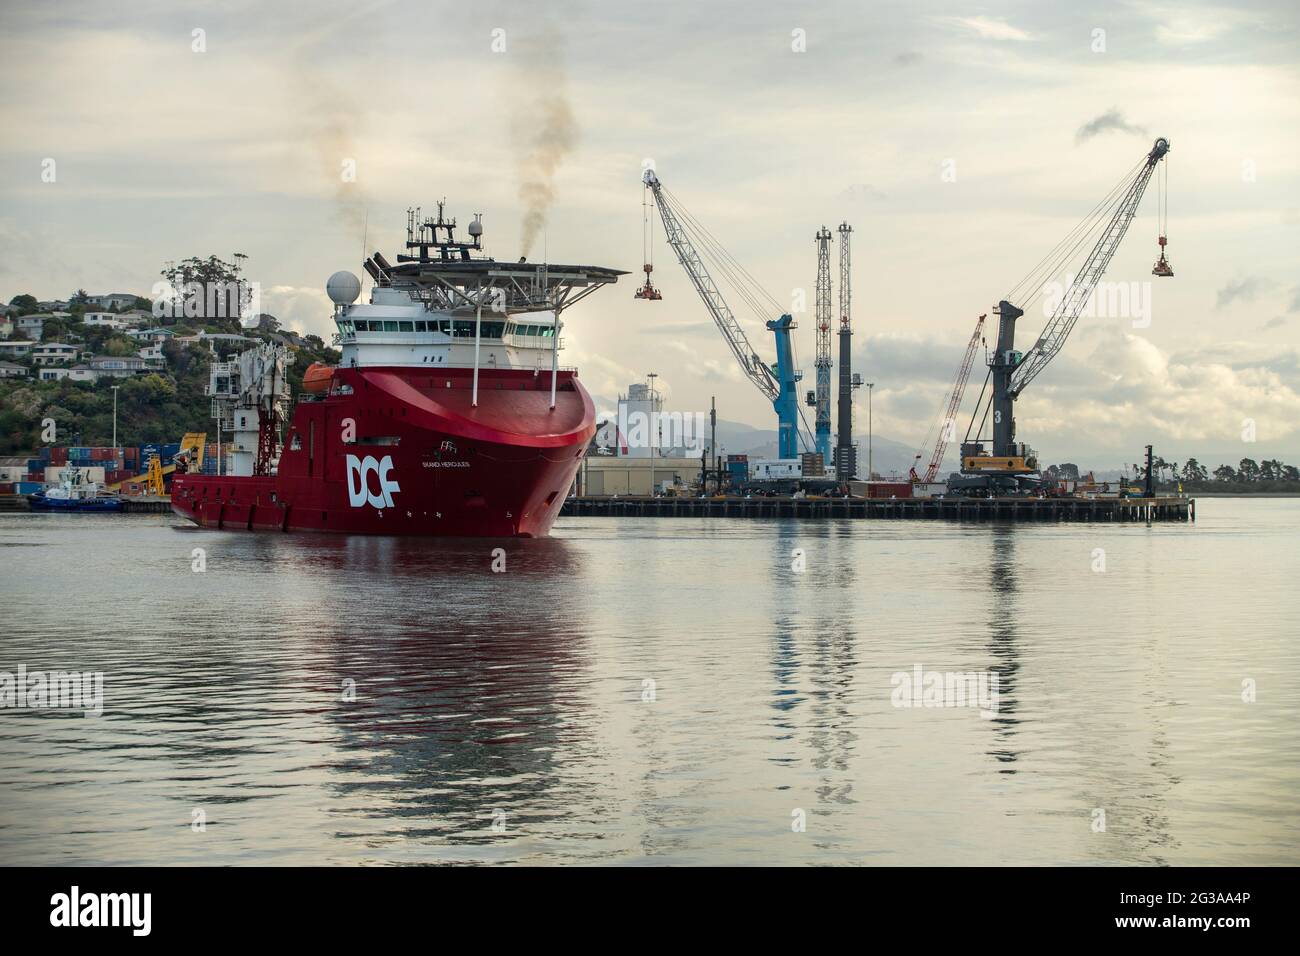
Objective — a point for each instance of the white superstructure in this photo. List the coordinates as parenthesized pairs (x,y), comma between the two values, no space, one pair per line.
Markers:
(245,392)
(449,306)
(395,329)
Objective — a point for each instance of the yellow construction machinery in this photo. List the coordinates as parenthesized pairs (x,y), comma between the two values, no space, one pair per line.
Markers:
(192,446)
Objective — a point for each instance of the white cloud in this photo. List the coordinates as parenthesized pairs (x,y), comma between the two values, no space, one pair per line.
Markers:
(302,309)
(987,28)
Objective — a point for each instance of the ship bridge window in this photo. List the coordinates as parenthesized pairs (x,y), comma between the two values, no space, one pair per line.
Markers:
(405,327)
(464,328)
(390,326)
(380,440)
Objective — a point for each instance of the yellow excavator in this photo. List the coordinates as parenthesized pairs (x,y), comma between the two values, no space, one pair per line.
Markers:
(191,450)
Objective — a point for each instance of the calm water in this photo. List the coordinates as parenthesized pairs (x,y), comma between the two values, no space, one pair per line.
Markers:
(518,699)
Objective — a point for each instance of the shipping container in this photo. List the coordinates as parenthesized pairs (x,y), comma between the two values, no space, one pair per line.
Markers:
(36,464)
(28,487)
(889,489)
(6,487)
(45,452)
(58,455)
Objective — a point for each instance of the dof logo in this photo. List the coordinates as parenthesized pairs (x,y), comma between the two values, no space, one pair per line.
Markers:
(359,472)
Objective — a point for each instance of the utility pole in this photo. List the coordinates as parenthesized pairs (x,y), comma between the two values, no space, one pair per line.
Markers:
(654,421)
(713,440)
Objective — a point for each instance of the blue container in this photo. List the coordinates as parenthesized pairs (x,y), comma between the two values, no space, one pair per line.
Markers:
(45,453)
(27,487)
(171,451)
(36,464)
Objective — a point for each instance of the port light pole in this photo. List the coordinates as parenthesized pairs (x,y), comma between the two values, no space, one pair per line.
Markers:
(870,436)
(650,378)
(115,388)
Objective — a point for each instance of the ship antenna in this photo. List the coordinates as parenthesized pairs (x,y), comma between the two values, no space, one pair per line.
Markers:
(365,239)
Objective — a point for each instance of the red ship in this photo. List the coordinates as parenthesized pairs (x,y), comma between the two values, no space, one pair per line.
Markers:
(449,413)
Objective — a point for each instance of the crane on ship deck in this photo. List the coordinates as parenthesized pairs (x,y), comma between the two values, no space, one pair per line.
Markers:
(1010,465)
(693,245)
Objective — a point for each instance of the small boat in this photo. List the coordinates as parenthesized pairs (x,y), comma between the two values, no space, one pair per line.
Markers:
(75,493)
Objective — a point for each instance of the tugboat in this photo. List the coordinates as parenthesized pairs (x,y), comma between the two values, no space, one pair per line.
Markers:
(449,413)
(74,493)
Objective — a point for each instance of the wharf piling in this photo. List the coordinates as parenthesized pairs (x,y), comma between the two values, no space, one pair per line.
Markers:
(974,509)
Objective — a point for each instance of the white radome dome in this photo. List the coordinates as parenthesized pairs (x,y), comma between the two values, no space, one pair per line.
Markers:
(343,288)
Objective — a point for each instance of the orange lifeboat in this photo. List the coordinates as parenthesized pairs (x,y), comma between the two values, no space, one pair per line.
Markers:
(316,379)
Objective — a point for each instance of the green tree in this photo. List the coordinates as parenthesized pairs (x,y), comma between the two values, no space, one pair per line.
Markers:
(1248,470)
(119,345)
(204,288)
(1225,473)
(1194,471)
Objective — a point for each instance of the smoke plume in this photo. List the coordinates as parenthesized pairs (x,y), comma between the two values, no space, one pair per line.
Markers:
(543,129)
(329,114)
(1111,120)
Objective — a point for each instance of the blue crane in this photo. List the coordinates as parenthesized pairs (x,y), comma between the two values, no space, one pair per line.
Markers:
(778,383)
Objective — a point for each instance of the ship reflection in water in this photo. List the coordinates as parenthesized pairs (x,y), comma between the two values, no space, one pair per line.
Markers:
(661,690)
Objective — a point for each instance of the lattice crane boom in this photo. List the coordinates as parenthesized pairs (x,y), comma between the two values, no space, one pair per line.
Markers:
(1076,297)
(948,425)
(755,369)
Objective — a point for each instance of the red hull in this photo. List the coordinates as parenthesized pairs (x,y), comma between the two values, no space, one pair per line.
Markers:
(407,453)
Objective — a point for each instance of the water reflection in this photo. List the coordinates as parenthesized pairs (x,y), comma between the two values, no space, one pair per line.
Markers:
(521,692)
(1004,616)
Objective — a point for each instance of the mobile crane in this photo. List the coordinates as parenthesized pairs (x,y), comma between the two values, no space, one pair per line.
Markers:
(947,424)
(1011,466)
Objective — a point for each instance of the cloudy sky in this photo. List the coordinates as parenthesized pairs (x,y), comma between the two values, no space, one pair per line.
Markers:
(766,119)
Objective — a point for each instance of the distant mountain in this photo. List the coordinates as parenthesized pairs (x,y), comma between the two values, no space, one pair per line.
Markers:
(888,457)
